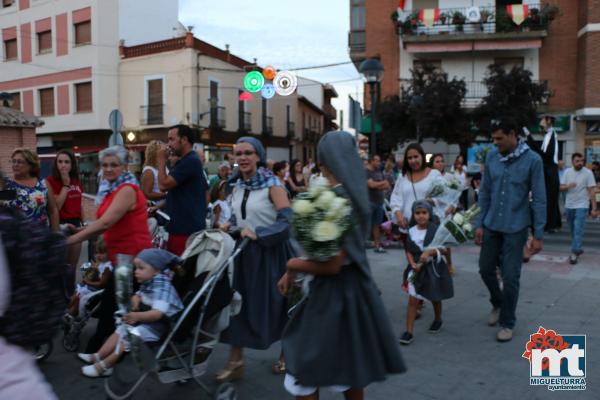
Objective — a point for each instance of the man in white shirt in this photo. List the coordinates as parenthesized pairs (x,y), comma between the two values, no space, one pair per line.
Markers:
(579,183)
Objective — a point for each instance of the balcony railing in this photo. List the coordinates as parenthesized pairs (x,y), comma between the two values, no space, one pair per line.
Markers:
(476,20)
(152,114)
(330,111)
(291,129)
(245,121)
(217,116)
(267,125)
(357,41)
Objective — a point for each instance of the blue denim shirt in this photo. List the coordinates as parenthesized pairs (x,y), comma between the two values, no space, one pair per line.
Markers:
(504,194)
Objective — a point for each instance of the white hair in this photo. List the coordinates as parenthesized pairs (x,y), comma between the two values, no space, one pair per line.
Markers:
(117,151)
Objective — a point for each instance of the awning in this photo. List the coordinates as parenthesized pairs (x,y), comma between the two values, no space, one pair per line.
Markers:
(365,126)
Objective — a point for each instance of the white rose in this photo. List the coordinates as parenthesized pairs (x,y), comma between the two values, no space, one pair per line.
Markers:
(339,209)
(325,200)
(303,207)
(467,227)
(458,219)
(317,185)
(325,231)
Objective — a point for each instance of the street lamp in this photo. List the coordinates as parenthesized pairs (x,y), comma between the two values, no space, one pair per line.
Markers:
(372,70)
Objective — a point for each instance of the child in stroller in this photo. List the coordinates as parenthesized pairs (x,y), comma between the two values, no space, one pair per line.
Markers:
(152,305)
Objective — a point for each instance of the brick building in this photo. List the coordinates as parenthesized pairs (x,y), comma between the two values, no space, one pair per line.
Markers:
(17,129)
(564,52)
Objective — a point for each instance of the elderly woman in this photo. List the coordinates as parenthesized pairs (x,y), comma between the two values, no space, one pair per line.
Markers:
(122,218)
(262,210)
(150,173)
(34,200)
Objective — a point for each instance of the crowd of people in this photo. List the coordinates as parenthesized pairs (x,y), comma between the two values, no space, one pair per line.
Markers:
(343,321)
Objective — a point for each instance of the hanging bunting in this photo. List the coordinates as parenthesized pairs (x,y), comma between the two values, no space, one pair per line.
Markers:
(429,16)
(401,4)
(518,12)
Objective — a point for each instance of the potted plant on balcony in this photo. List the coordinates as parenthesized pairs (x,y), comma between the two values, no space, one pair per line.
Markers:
(533,20)
(443,18)
(504,22)
(458,19)
(396,21)
(485,17)
(548,13)
(409,26)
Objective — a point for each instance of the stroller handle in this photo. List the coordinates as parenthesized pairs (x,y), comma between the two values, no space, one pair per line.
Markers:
(244,243)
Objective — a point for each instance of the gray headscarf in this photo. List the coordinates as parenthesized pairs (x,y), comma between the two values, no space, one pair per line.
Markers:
(159,259)
(337,151)
(423,204)
(258,146)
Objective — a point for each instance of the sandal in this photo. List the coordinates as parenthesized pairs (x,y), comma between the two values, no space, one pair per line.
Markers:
(97,370)
(233,371)
(278,368)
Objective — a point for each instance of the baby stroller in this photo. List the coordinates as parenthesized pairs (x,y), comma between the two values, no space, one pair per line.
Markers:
(158,231)
(73,326)
(203,282)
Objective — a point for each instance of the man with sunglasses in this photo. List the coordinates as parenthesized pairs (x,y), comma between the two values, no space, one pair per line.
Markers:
(185,186)
(512,175)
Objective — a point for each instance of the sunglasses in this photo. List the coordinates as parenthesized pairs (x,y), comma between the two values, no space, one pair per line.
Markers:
(110,165)
(246,153)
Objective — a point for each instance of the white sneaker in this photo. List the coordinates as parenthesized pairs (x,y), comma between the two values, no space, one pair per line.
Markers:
(504,335)
(494,317)
(92,372)
(88,358)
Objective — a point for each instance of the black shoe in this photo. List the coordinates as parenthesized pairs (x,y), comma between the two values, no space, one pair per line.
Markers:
(435,327)
(406,338)
(573,259)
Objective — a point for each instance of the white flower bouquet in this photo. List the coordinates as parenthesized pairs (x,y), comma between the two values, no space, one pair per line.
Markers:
(445,190)
(123,283)
(455,229)
(320,220)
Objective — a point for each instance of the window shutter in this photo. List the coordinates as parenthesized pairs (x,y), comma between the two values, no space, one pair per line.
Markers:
(83,32)
(83,95)
(44,41)
(7,3)
(10,47)
(16,101)
(47,101)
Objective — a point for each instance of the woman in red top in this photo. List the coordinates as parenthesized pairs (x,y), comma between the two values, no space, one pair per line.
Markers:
(122,218)
(66,188)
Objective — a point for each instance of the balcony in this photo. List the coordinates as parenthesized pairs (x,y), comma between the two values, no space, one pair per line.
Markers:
(357,43)
(217,116)
(330,111)
(475,28)
(245,122)
(152,114)
(267,126)
(291,129)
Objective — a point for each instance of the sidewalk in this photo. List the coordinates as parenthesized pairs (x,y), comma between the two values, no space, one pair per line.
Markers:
(463,361)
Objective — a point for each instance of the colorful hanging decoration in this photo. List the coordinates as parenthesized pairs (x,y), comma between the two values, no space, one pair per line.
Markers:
(268,91)
(245,96)
(254,81)
(269,72)
(429,16)
(285,83)
(401,4)
(518,12)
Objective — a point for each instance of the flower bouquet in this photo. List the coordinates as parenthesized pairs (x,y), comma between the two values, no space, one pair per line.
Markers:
(481,153)
(445,190)
(320,220)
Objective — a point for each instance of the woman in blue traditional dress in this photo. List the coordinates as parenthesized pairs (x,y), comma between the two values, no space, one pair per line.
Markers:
(262,210)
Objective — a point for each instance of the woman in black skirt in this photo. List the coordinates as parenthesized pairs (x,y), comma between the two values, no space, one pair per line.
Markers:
(340,336)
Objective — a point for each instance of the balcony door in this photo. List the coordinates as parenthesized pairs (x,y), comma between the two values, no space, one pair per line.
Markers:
(214,103)
(154,113)
(420,4)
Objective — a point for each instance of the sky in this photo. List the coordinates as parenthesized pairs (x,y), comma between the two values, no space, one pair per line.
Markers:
(283,33)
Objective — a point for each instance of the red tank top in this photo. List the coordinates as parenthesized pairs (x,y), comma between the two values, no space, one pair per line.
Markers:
(130,234)
(71,208)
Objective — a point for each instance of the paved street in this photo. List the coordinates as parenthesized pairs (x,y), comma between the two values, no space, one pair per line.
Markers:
(463,361)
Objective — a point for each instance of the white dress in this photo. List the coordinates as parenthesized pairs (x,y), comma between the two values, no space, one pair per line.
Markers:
(406,193)
(418,236)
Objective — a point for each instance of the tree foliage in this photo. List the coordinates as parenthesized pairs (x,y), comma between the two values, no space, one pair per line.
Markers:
(509,94)
(430,106)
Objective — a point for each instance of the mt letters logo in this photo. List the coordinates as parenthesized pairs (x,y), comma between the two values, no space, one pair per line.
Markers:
(556,361)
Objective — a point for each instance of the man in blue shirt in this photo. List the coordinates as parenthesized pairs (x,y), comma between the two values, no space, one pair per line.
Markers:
(513,175)
(185,186)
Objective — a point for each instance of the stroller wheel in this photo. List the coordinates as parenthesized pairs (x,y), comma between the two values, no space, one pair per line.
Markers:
(226,391)
(42,352)
(71,343)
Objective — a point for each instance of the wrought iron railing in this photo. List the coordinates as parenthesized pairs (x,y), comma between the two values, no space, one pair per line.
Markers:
(245,121)
(152,114)
(267,125)
(217,116)
(291,129)
(472,20)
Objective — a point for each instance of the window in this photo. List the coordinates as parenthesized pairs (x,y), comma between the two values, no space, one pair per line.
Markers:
(418,65)
(155,102)
(83,33)
(44,40)
(7,3)
(83,97)
(47,102)
(16,97)
(357,17)
(10,49)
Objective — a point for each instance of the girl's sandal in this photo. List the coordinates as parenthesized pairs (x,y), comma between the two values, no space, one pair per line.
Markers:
(233,371)
(278,368)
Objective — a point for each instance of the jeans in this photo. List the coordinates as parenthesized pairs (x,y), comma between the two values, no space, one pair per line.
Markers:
(576,220)
(504,251)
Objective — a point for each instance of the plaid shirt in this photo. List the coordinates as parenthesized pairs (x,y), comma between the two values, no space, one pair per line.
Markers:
(159,294)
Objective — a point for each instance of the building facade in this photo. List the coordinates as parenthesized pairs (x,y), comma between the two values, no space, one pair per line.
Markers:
(60,60)
(463,37)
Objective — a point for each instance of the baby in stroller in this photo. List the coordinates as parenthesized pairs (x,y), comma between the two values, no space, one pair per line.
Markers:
(152,305)
(94,278)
